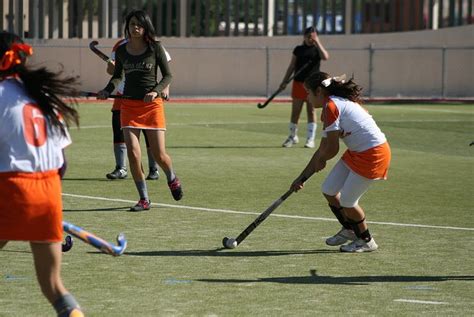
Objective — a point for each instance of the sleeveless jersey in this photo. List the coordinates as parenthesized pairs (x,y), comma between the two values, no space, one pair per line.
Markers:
(28,143)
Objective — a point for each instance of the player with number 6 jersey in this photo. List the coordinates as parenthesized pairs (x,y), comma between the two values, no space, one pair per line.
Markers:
(33,134)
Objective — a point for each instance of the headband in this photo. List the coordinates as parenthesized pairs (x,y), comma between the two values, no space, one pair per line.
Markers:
(12,57)
(339,79)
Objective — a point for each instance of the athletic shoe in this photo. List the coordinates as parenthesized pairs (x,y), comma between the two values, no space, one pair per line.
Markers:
(309,144)
(175,188)
(290,141)
(118,173)
(142,205)
(341,237)
(153,174)
(360,245)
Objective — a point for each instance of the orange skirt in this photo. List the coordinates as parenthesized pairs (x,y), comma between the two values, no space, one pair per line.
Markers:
(298,91)
(143,115)
(372,163)
(31,206)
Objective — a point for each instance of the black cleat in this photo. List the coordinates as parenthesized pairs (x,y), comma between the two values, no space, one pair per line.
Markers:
(118,173)
(153,174)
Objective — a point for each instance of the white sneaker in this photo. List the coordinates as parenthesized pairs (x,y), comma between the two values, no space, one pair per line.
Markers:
(309,144)
(290,141)
(341,237)
(359,246)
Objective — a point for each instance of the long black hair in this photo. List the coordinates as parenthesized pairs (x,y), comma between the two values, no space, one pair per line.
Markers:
(144,21)
(42,85)
(337,86)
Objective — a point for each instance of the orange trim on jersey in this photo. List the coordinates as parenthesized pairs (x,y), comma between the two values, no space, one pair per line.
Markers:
(143,115)
(298,91)
(329,114)
(31,206)
(372,163)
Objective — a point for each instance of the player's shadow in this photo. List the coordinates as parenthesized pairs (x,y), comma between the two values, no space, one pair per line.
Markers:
(228,253)
(86,179)
(313,278)
(210,147)
(97,209)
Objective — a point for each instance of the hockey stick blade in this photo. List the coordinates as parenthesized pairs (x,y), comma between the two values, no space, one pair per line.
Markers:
(67,245)
(264,215)
(98,243)
(92,46)
(260,106)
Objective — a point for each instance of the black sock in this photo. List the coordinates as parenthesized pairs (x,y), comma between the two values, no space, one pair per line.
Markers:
(365,235)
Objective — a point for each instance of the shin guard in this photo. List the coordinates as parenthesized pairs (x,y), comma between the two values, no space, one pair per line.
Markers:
(337,211)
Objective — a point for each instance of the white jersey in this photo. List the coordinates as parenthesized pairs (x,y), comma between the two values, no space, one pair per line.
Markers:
(27,141)
(121,86)
(358,129)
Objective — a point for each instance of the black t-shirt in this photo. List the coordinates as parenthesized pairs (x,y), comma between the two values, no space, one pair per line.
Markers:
(304,54)
(140,71)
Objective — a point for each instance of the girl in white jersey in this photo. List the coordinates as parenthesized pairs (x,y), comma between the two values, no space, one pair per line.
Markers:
(366,159)
(33,133)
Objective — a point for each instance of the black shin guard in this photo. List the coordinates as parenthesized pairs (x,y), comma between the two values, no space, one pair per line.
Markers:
(338,213)
(361,235)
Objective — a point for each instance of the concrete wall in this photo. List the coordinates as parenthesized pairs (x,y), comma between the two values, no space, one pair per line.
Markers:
(410,64)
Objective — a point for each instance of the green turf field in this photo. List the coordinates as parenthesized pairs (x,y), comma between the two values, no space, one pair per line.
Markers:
(230,161)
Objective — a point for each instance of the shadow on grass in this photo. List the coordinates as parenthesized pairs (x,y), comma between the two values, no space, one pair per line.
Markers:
(225,147)
(313,278)
(86,179)
(97,209)
(229,253)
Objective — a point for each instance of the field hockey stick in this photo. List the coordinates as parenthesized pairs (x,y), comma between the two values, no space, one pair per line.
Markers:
(260,105)
(101,244)
(92,46)
(230,243)
(94,94)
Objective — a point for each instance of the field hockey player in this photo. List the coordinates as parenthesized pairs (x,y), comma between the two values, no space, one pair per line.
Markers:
(366,159)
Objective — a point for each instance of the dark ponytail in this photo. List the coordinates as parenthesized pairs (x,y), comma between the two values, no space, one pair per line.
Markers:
(337,86)
(43,86)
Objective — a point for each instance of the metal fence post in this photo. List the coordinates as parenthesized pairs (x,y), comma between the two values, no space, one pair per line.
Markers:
(443,72)
(371,68)
(267,70)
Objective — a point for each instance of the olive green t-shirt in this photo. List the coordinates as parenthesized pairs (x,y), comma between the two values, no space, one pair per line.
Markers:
(140,71)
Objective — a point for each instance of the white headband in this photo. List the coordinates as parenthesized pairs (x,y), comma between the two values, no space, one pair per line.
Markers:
(339,79)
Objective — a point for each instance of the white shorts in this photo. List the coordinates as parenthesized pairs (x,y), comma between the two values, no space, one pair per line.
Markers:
(350,185)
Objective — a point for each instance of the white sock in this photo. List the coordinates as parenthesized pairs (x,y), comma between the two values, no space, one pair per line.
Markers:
(311,132)
(293,129)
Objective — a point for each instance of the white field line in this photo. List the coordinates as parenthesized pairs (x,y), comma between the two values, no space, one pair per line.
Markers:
(410,108)
(419,301)
(248,122)
(273,215)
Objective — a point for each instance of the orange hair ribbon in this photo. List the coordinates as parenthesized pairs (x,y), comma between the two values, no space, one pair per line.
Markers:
(12,56)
